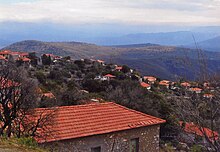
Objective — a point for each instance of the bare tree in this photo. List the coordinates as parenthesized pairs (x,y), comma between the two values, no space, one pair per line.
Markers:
(202,112)
(17,94)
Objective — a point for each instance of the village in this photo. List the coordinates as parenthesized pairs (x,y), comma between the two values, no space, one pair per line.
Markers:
(80,98)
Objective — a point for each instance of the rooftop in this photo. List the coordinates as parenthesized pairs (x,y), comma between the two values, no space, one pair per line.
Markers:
(93,119)
(145,85)
(200,131)
(109,75)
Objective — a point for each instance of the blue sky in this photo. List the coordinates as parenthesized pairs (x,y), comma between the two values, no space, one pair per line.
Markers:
(129,12)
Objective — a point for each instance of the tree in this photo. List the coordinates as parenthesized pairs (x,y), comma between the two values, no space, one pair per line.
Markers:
(203,112)
(17,94)
(125,69)
(46,60)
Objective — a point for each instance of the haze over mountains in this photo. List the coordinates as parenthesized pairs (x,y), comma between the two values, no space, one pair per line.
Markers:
(109,34)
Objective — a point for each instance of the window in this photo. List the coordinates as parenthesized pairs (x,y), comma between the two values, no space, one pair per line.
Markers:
(134,145)
(96,149)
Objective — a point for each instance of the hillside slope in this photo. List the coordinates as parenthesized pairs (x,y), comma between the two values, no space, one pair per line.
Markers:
(167,62)
(211,44)
(74,49)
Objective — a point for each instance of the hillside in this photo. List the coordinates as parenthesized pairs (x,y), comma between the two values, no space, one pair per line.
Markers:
(167,62)
(74,49)
(211,44)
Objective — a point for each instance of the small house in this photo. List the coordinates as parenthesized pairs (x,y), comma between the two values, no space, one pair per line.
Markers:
(100,127)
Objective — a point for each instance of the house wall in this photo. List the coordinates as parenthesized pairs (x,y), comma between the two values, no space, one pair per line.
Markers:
(148,141)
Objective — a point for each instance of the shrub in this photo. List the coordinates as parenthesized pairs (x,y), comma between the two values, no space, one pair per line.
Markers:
(27,141)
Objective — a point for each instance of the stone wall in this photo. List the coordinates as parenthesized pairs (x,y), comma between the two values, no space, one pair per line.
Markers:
(112,142)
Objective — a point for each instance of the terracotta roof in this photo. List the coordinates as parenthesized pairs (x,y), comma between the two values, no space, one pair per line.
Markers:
(93,119)
(118,68)
(185,84)
(150,78)
(195,89)
(164,82)
(5,52)
(200,131)
(49,95)
(109,75)
(145,85)
(2,57)
(25,59)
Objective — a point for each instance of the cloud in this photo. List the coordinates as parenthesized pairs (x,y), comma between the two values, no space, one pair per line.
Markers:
(114,11)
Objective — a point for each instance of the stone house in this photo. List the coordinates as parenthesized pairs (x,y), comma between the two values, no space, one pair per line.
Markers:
(101,127)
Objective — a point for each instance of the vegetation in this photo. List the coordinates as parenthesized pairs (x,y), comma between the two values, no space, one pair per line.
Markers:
(71,82)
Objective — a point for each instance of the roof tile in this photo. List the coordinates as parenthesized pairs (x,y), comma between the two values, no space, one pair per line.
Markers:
(96,118)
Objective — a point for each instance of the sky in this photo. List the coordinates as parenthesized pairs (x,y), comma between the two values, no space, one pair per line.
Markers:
(128,12)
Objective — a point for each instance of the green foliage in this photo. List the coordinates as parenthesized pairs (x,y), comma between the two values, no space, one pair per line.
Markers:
(46,60)
(41,77)
(125,69)
(196,148)
(27,141)
(80,64)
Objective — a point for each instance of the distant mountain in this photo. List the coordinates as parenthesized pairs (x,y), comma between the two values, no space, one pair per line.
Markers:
(211,44)
(135,45)
(168,38)
(167,62)
(104,34)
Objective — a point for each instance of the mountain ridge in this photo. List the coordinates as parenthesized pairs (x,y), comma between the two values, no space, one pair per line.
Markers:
(167,62)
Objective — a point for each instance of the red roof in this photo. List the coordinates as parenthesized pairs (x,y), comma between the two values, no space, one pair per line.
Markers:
(150,78)
(109,75)
(185,84)
(118,68)
(2,57)
(5,52)
(93,119)
(49,95)
(164,82)
(145,85)
(195,89)
(25,59)
(200,131)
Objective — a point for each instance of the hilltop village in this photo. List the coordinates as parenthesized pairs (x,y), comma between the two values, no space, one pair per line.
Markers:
(98,101)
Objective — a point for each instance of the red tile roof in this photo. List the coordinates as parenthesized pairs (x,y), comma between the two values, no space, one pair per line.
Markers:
(185,84)
(92,119)
(49,95)
(200,131)
(5,52)
(145,85)
(118,68)
(2,57)
(25,59)
(109,75)
(164,82)
(195,89)
(150,78)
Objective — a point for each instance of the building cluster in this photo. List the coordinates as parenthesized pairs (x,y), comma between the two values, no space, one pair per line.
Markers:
(8,55)
(106,126)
